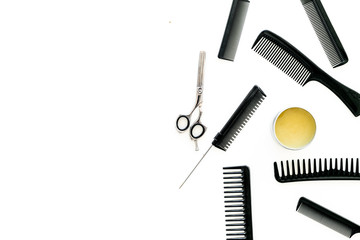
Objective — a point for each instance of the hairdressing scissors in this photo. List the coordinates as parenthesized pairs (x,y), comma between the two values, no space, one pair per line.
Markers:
(197,129)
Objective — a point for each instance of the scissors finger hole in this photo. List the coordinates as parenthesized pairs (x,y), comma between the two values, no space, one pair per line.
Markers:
(197,130)
(182,123)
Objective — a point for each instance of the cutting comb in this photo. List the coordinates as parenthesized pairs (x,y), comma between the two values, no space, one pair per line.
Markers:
(327,218)
(310,170)
(296,65)
(236,122)
(325,32)
(237,203)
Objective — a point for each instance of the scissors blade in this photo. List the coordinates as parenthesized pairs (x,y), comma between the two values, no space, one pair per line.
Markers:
(200,79)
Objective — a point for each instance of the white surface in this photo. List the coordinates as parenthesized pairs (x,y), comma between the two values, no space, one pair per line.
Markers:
(89,95)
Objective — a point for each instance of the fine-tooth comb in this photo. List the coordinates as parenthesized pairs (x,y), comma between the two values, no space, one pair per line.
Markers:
(296,65)
(237,203)
(325,32)
(235,123)
(311,170)
(327,217)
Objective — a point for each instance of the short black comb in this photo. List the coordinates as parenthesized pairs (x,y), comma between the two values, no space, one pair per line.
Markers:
(239,118)
(238,203)
(327,218)
(325,32)
(296,65)
(310,170)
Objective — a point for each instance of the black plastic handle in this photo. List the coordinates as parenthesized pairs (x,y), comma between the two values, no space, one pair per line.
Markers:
(348,96)
(233,29)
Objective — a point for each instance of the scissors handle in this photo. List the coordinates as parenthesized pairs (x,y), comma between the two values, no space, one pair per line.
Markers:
(197,130)
(183,123)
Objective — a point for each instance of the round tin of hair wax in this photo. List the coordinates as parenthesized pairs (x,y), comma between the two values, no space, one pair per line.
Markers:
(294,128)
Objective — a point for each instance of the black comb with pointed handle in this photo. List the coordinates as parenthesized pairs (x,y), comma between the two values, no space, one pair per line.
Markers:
(300,68)
(235,123)
(312,170)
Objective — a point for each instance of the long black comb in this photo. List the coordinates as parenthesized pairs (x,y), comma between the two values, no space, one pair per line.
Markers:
(310,170)
(237,203)
(296,65)
(236,122)
(325,32)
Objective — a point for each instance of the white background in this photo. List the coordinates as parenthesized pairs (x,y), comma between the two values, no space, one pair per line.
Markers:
(89,95)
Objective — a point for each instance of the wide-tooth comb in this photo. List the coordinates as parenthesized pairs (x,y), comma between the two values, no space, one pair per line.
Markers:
(300,68)
(237,203)
(239,118)
(235,123)
(310,170)
(325,32)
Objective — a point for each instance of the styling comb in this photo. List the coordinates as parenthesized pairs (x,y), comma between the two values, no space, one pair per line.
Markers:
(325,32)
(296,65)
(327,217)
(237,203)
(310,170)
(236,122)
(234,26)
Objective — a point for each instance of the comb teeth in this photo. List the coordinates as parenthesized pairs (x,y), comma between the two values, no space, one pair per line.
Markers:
(251,110)
(282,59)
(325,33)
(327,169)
(237,203)
(239,118)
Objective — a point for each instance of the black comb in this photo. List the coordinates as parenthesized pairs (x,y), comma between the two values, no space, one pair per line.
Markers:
(310,170)
(237,203)
(327,217)
(325,32)
(296,65)
(236,122)
(239,118)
